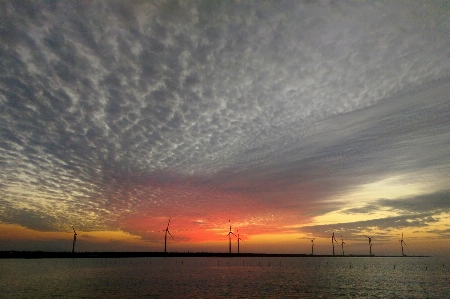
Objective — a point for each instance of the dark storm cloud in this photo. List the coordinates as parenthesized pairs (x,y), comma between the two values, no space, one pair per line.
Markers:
(97,99)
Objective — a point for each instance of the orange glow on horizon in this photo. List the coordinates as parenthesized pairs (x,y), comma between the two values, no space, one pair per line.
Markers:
(17,232)
(212,237)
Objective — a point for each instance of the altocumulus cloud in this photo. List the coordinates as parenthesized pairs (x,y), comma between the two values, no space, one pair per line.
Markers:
(114,109)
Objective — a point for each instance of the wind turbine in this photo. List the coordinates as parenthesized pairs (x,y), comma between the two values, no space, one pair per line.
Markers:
(74,239)
(370,243)
(238,239)
(229,236)
(333,239)
(165,236)
(312,245)
(401,243)
(342,244)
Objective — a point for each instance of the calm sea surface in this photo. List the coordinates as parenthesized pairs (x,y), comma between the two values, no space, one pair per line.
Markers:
(314,277)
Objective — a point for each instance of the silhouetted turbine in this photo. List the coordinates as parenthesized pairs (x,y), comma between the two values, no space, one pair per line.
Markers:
(165,236)
(333,239)
(370,243)
(342,244)
(74,239)
(238,239)
(401,243)
(229,236)
(312,245)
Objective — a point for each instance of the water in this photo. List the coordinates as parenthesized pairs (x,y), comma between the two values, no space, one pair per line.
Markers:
(226,278)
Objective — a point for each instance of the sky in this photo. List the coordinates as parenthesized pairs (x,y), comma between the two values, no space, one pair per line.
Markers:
(287,120)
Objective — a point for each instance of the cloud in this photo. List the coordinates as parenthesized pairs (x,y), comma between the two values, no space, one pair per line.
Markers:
(35,219)
(382,225)
(419,211)
(113,111)
(435,202)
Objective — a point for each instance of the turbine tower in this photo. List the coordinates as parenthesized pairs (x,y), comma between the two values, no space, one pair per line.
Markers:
(74,239)
(229,236)
(370,243)
(238,239)
(342,244)
(401,243)
(333,239)
(165,236)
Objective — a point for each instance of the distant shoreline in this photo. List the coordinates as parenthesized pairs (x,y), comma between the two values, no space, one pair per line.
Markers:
(112,254)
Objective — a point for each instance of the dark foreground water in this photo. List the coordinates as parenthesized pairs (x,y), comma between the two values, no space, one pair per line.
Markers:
(315,277)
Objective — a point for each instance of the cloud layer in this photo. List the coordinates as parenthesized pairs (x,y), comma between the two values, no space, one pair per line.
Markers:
(118,115)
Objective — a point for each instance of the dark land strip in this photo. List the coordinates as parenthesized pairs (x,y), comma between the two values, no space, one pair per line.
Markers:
(112,254)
